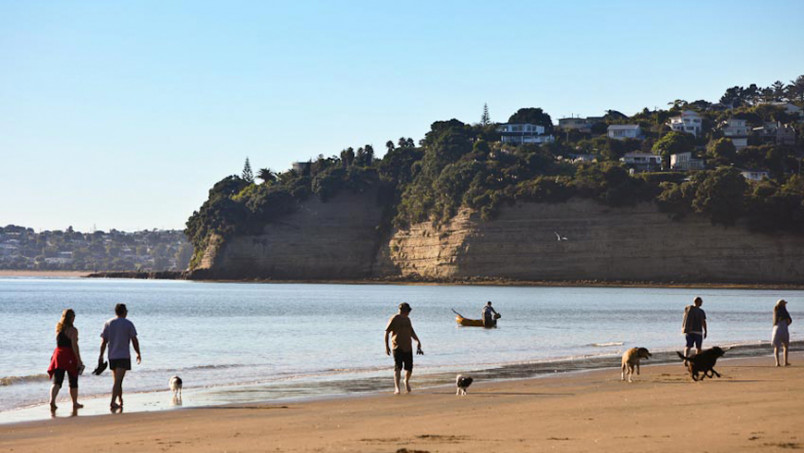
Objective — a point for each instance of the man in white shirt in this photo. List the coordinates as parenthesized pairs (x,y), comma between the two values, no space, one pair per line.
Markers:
(118,333)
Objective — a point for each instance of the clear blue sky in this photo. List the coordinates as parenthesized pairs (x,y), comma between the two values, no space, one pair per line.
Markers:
(123,114)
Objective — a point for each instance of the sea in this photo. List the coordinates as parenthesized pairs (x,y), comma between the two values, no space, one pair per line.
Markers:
(278,342)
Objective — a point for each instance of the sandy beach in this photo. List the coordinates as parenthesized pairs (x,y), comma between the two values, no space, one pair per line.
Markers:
(753,407)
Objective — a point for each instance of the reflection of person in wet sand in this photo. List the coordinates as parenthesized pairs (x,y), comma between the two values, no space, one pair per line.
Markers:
(118,333)
(781,336)
(401,331)
(66,359)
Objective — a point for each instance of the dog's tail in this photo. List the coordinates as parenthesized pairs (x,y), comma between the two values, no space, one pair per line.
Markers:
(685,359)
(453,310)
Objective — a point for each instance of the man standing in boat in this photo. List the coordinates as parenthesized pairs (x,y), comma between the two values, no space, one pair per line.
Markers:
(488,315)
(401,331)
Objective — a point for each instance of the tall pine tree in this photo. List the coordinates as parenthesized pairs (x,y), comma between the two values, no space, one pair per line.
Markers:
(247,176)
(485,120)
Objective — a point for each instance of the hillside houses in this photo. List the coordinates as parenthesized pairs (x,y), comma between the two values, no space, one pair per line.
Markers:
(624,131)
(686,162)
(519,134)
(689,121)
(737,130)
(776,132)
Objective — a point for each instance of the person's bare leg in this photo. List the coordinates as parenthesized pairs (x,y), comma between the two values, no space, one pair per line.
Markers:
(396,381)
(117,388)
(776,354)
(74,396)
(54,392)
(686,352)
(407,380)
(786,363)
(121,374)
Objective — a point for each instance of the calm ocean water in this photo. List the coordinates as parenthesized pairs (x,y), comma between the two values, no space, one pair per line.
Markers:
(242,342)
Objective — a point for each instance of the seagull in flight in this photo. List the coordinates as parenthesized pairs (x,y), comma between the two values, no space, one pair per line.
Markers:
(560,237)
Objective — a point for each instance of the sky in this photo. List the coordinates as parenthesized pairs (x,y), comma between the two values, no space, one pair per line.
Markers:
(124,114)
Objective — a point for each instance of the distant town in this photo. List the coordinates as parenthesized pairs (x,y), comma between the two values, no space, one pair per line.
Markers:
(22,248)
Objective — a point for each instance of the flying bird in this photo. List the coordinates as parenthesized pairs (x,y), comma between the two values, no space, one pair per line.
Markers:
(560,237)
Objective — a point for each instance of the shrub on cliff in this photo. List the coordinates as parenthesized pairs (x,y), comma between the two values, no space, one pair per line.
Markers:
(721,195)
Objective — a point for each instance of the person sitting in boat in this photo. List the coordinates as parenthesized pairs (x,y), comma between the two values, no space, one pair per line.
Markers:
(488,315)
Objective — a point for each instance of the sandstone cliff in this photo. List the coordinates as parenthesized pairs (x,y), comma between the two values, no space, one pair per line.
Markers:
(633,244)
(341,239)
(337,239)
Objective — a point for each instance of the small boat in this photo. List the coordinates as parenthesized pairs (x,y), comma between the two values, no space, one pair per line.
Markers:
(466,322)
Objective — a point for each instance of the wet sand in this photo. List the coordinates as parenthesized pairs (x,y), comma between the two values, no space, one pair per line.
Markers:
(753,407)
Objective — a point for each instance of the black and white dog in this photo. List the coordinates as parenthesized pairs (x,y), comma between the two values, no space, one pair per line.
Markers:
(175,385)
(463,383)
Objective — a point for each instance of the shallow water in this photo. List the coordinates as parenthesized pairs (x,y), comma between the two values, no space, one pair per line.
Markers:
(244,342)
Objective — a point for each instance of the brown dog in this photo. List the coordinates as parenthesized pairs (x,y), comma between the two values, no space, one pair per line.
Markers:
(703,363)
(631,360)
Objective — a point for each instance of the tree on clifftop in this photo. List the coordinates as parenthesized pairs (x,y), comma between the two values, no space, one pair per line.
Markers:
(247,176)
(673,143)
(721,195)
(485,119)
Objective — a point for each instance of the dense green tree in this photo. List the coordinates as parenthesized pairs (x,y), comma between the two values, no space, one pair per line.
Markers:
(533,115)
(673,143)
(721,152)
(721,195)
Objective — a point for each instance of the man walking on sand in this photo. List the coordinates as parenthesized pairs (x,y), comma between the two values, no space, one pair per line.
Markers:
(694,326)
(118,333)
(401,332)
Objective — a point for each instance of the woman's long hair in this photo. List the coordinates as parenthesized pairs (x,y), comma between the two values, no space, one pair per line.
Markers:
(780,311)
(67,317)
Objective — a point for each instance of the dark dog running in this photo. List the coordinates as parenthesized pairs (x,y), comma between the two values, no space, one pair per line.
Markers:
(703,363)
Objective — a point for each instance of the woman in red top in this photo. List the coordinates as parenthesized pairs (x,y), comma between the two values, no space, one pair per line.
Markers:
(66,359)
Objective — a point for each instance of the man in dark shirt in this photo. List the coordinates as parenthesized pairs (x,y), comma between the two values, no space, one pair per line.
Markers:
(401,332)
(694,326)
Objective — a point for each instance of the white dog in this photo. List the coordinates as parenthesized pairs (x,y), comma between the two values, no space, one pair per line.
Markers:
(462,383)
(175,385)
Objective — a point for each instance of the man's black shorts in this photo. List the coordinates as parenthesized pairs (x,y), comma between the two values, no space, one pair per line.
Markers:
(403,360)
(123,364)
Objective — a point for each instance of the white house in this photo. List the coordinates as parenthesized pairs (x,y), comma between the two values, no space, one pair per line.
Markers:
(689,122)
(737,130)
(642,161)
(623,131)
(524,133)
(685,162)
(754,175)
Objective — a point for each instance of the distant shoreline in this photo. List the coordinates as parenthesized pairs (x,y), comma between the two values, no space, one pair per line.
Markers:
(53,274)
(173,275)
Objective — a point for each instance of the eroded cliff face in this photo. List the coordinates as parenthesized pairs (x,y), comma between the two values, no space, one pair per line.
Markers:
(602,243)
(337,239)
(341,239)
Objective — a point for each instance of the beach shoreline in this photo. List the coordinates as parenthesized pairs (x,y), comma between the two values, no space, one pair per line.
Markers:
(175,275)
(754,406)
(179,276)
